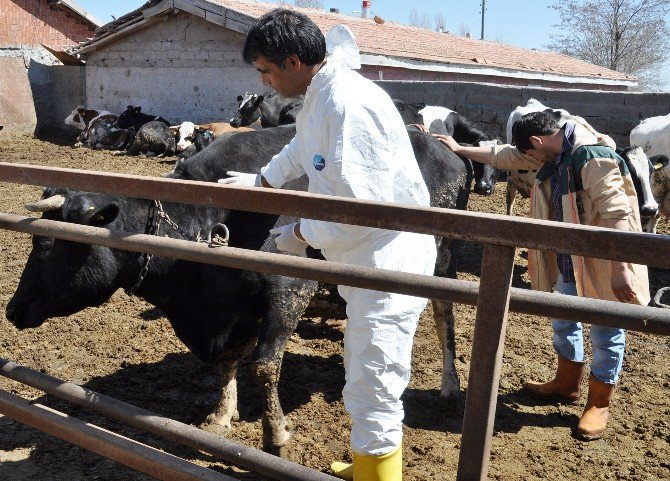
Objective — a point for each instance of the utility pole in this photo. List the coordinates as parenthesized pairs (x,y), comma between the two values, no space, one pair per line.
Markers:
(483,12)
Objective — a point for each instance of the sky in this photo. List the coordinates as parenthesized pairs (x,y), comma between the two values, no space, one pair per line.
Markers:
(523,23)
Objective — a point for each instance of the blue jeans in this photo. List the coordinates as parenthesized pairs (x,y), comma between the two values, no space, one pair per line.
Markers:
(607,343)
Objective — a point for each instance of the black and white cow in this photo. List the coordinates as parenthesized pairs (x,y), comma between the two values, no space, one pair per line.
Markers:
(441,120)
(135,118)
(653,136)
(520,181)
(81,117)
(221,314)
(272,109)
(191,139)
(103,134)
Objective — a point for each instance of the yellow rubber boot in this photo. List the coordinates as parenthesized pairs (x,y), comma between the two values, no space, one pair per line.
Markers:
(343,470)
(387,467)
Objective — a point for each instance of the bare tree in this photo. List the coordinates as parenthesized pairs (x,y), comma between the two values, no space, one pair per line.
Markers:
(309,4)
(464,30)
(628,36)
(440,22)
(422,21)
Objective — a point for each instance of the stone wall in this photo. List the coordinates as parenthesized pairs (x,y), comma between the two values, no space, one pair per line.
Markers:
(489,106)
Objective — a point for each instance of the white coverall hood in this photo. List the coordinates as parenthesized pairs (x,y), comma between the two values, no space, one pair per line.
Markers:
(341,48)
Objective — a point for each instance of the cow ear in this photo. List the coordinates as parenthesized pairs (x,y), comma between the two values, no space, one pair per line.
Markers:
(659,161)
(138,110)
(260,98)
(240,98)
(174,128)
(130,107)
(98,217)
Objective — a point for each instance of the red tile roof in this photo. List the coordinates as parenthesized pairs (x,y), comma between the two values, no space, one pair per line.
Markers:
(406,43)
(393,39)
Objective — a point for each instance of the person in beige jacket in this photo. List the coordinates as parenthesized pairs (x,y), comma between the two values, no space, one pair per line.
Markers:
(580,180)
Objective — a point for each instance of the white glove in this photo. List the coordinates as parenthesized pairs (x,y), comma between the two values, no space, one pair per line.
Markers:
(240,178)
(287,241)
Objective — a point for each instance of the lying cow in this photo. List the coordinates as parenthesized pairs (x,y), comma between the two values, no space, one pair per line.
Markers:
(103,134)
(135,118)
(272,109)
(192,138)
(441,120)
(221,314)
(81,117)
(653,135)
(153,139)
(519,182)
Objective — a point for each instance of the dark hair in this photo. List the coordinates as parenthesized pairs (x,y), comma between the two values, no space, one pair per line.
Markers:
(281,33)
(532,124)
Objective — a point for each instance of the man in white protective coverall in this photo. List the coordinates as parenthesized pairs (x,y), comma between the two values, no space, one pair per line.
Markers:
(351,142)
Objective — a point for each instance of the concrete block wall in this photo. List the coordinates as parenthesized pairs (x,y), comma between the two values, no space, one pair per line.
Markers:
(37,92)
(182,69)
(34,22)
(489,106)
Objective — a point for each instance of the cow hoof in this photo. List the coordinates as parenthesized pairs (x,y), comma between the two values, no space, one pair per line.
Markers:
(289,452)
(451,405)
(215,428)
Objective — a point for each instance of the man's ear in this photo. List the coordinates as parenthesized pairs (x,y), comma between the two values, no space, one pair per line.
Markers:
(536,141)
(292,62)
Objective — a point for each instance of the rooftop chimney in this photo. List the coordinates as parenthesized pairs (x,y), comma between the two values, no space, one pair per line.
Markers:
(365,13)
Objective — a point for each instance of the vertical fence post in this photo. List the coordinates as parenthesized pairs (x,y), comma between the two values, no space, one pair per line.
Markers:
(485,362)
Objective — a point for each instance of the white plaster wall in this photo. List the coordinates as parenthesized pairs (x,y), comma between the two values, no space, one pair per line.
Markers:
(184,68)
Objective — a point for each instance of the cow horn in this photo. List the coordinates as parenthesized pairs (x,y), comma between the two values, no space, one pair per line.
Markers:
(52,203)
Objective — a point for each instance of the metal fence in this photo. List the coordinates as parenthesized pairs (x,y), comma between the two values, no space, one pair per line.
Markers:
(493,295)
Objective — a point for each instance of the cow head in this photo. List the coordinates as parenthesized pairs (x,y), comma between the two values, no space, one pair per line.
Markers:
(127,117)
(410,112)
(248,111)
(76,118)
(640,170)
(63,277)
(485,175)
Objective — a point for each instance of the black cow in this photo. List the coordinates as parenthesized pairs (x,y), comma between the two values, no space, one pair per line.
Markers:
(271,108)
(441,120)
(220,314)
(153,139)
(133,117)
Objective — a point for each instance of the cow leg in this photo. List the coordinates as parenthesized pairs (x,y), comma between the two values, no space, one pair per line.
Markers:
(450,389)
(510,197)
(219,421)
(276,433)
(443,314)
(288,301)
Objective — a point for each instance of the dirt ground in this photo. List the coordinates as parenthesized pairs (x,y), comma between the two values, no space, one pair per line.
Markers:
(127,350)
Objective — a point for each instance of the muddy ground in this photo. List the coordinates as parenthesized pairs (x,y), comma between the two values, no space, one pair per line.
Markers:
(125,349)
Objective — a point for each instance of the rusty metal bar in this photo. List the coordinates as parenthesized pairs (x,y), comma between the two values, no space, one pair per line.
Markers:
(233,453)
(640,248)
(486,360)
(615,314)
(136,455)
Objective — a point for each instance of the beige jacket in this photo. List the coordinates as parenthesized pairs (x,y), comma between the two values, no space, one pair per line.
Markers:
(599,186)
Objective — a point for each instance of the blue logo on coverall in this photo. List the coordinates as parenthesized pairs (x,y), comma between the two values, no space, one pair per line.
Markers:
(319,162)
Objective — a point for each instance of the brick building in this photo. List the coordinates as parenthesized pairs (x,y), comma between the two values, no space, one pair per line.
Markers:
(26,79)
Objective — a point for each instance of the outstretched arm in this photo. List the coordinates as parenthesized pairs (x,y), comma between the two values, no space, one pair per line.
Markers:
(478,154)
